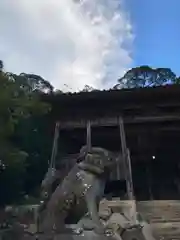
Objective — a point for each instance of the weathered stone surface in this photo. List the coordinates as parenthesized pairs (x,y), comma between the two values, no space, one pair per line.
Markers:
(163,216)
(80,192)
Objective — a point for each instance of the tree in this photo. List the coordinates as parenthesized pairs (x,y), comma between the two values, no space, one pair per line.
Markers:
(9,155)
(88,88)
(37,83)
(177,81)
(33,135)
(19,105)
(31,82)
(145,76)
(1,65)
(57,92)
(12,175)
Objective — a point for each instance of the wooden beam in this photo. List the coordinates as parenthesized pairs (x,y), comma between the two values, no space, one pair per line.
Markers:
(105,122)
(168,104)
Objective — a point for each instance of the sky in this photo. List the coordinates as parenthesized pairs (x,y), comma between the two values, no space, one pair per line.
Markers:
(157,33)
(73,43)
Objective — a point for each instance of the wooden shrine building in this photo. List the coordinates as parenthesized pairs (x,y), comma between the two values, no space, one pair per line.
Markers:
(151,120)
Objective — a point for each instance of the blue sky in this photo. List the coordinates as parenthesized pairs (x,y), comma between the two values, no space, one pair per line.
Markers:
(156,24)
(89,42)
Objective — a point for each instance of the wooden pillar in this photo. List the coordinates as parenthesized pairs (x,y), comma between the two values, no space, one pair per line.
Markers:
(55,146)
(88,135)
(118,171)
(149,179)
(126,161)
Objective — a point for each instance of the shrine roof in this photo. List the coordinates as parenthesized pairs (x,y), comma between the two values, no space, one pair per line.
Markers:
(120,93)
(85,102)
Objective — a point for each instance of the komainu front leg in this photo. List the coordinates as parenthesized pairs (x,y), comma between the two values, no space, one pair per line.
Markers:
(60,226)
(93,208)
(47,226)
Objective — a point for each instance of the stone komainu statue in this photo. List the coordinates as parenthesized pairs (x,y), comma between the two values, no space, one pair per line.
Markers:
(80,192)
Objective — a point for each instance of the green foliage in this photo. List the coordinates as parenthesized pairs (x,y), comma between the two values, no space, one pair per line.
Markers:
(177,81)
(1,65)
(12,176)
(21,113)
(145,76)
(36,83)
(32,136)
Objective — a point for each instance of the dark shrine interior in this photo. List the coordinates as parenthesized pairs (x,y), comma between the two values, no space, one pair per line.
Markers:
(154,151)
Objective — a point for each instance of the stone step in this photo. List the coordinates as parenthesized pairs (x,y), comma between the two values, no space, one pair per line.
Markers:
(166,231)
(164,216)
(162,211)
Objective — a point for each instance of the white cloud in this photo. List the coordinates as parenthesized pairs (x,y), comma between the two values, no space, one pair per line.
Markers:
(71,42)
